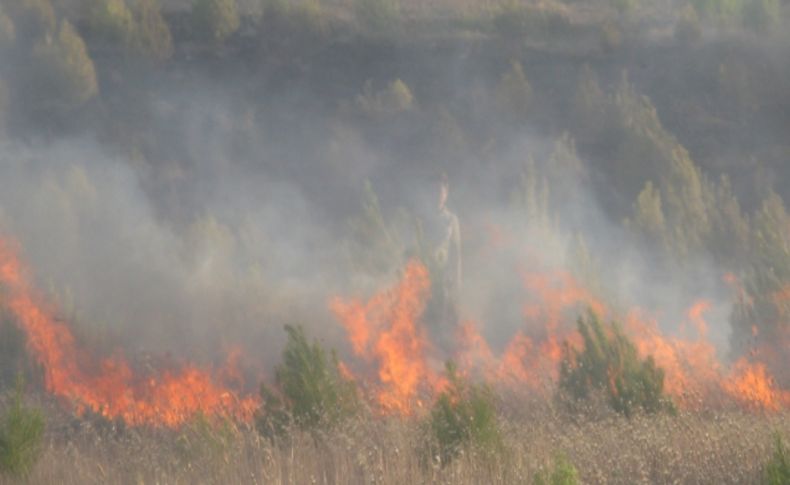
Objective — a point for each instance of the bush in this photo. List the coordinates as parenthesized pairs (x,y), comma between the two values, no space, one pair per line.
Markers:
(64,77)
(609,363)
(21,432)
(464,417)
(777,470)
(215,19)
(561,473)
(377,15)
(310,391)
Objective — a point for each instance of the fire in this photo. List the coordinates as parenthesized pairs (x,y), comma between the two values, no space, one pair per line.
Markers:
(385,330)
(109,387)
(750,384)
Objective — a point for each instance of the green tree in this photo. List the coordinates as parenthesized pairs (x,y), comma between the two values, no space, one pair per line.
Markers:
(152,37)
(63,76)
(609,363)
(777,470)
(21,433)
(215,19)
(109,21)
(464,416)
(309,390)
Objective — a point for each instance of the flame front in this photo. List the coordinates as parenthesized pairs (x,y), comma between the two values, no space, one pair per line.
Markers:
(109,387)
(386,330)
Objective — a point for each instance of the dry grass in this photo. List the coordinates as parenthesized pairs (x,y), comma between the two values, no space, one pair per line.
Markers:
(701,447)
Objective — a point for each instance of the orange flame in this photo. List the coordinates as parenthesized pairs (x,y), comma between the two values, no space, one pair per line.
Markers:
(385,330)
(109,387)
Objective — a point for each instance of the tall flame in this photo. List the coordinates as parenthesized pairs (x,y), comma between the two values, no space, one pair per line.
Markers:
(385,330)
(109,387)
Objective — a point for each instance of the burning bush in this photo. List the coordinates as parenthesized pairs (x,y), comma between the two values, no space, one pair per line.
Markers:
(609,362)
(21,431)
(464,417)
(561,473)
(310,391)
(777,470)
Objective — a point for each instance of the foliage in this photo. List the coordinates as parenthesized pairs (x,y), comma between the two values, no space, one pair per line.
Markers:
(513,94)
(561,473)
(206,441)
(152,37)
(310,391)
(33,19)
(464,417)
(21,433)
(609,362)
(377,15)
(777,470)
(64,74)
(12,351)
(215,19)
(109,21)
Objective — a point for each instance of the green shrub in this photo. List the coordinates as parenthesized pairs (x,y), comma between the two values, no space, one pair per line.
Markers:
(206,442)
(309,390)
(21,433)
(12,340)
(215,19)
(609,363)
(777,470)
(152,38)
(561,473)
(464,417)
(377,15)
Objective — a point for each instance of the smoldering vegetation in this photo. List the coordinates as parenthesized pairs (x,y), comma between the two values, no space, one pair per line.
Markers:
(186,178)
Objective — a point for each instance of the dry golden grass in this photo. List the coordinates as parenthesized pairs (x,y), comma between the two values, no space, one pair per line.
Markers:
(700,447)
